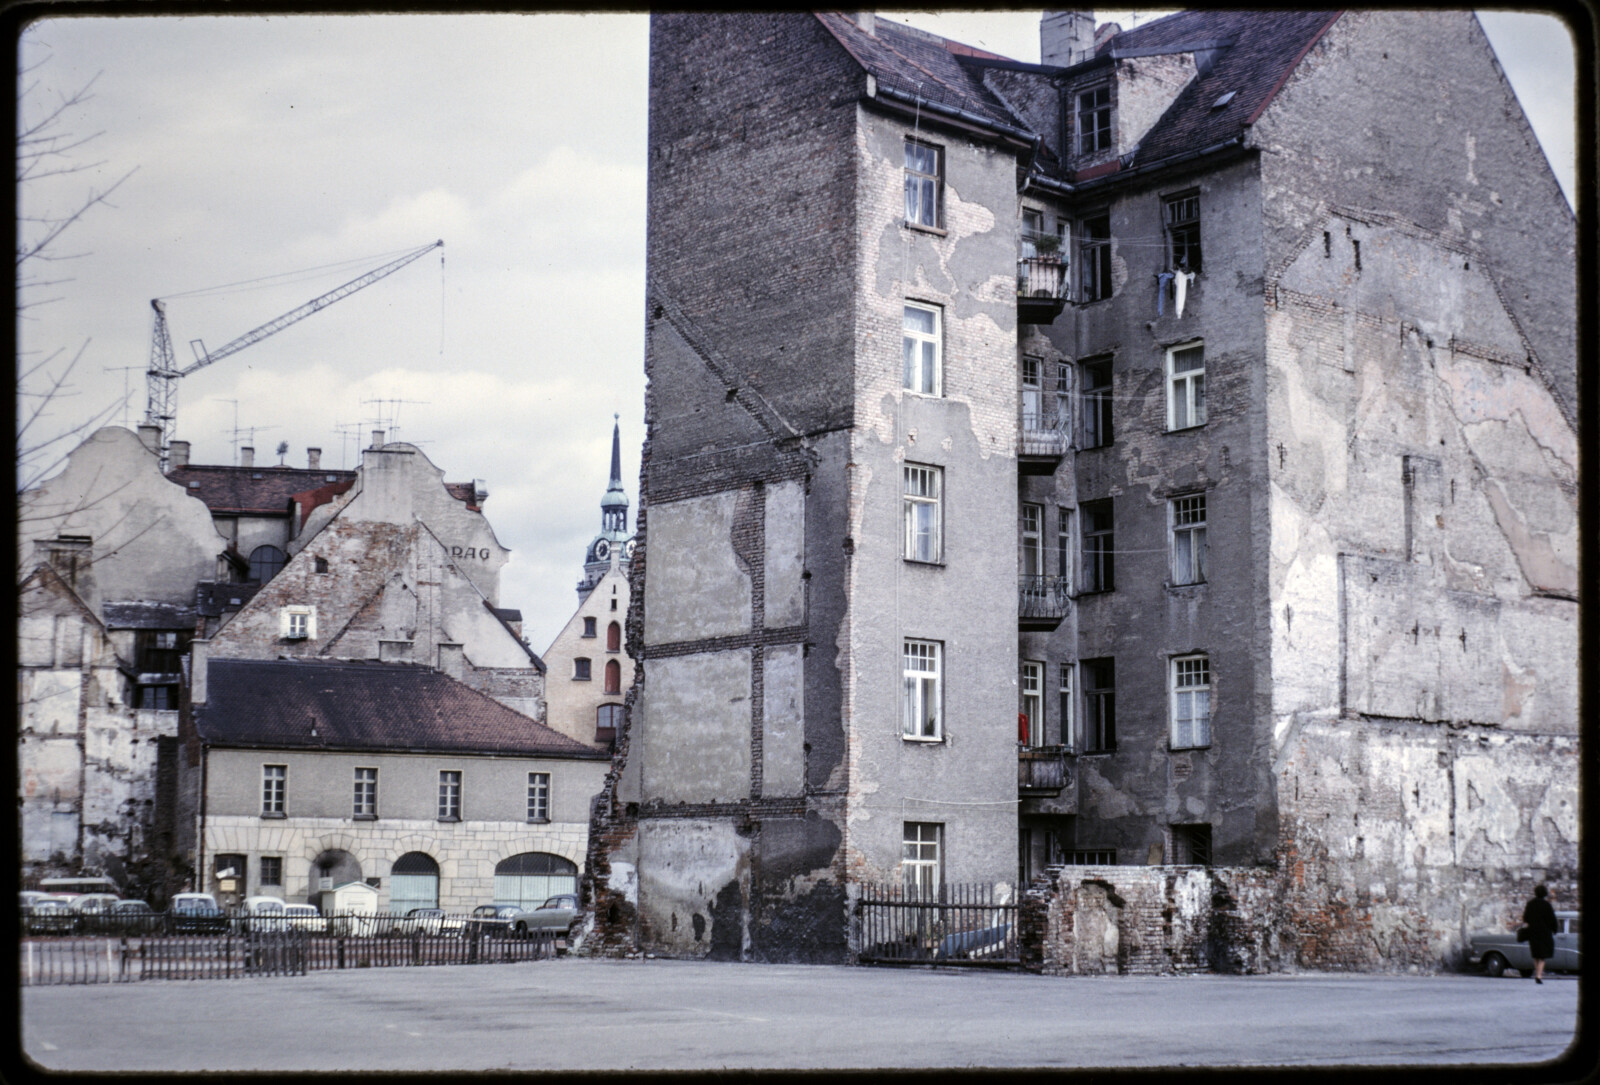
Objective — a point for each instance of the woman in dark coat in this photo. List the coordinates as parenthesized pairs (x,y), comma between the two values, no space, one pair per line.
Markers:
(1540,919)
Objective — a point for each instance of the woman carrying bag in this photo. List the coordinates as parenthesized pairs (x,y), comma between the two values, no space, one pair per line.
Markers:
(1539,919)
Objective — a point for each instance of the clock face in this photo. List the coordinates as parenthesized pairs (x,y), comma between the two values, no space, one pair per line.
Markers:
(627,550)
(602,550)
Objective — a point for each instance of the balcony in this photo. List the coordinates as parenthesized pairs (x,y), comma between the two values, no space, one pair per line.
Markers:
(1042,602)
(1044,433)
(1041,285)
(1043,770)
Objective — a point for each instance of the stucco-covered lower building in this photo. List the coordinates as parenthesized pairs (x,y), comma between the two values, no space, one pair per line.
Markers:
(302,775)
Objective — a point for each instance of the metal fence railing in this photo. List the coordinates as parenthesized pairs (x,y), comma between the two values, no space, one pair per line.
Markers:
(950,924)
(341,942)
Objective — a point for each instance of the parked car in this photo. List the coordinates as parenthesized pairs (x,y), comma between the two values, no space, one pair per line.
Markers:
(1496,952)
(304,917)
(133,917)
(493,920)
(51,915)
(264,914)
(428,921)
(558,913)
(196,913)
(93,911)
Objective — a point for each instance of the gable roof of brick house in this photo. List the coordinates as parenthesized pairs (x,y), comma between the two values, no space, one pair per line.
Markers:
(1254,54)
(355,705)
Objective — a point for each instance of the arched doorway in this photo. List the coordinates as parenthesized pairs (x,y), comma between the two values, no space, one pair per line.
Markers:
(413,883)
(532,877)
(331,869)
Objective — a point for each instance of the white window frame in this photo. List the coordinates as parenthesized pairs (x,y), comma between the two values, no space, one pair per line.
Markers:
(298,623)
(274,790)
(1032,700)
(922,858)
(922,493)
(365,800)
(1032,394)
(1094,137)
(924,190)
(539,796)
(916,341)
(1068,708)
(922,691)
(1186,388)
(1191,701)
(1030,539)
(450,788)
(1186,518)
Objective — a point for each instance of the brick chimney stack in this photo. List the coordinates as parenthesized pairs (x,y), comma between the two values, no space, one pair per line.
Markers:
(178,454)
(247,456)
(314,458)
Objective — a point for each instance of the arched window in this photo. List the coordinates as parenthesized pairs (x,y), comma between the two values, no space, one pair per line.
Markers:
(613,676)
(613,637)
(531,878)
(608,723)
(265,561)
(413,883)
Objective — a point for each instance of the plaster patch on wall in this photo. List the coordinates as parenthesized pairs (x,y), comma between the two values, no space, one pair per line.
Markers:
(697,714)
(696,588)
(1544,564)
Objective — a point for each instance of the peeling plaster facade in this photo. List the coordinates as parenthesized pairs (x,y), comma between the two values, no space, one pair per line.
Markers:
(1387,461)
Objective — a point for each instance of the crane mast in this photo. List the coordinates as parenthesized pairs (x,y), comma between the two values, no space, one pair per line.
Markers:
(161,379)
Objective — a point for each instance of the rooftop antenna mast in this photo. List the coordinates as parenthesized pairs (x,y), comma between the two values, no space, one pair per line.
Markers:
(387,416)
(163,374)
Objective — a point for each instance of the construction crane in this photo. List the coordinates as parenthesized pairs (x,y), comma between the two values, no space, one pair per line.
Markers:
(161,379)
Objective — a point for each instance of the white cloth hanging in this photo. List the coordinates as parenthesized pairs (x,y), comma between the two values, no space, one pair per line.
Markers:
(1181,289)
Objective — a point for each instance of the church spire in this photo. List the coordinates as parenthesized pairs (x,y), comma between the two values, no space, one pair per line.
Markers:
(616,452)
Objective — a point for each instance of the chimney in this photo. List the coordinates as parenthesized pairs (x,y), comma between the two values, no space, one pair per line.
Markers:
(1106,32)
(178,454)
(867,21)
(198,653)
(377,438)
(452,660)
(247,456)
(1066,38)
(313,458)
(150,436)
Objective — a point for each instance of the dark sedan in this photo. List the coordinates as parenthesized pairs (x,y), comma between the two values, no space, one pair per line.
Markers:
(196,913)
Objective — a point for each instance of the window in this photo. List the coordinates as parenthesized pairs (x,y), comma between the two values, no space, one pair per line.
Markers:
(1098,546)
(613,604)
(1094,120)
(1099,705)
(608,722)
(1097,403)
(158,652)
(1188,538)
(921,872)
(924,184)
(538,796)
(922,347)
(923,487)
(1063,404)
(274,784)
(1069,732)
(613,637)
(1181,216)
(1090,857)
(1191,845)
(1191,702)
(366,797)
(450,795)
(613,676)
(532,877)
(161,698)
(265,561)
(588,627)
(920,712)
(298,622)
(1064,544)
(1032,227)
(1031,558)
(1186,387)
(320,564)
(1094,263)
(1032,395)
(272,870)
(580,670)
(1031,722)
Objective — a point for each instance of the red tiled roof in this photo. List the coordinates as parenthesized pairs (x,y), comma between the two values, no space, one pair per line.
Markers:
(359,705)
(264,491)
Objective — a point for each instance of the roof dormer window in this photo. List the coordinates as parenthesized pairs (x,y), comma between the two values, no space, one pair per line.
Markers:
(1094,120)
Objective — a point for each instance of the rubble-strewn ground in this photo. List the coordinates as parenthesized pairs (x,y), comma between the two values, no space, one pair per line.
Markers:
(656,1014)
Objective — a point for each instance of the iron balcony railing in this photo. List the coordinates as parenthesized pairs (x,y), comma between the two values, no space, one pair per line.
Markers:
(1042,598)
(1042,275)
(1043,768)
(1043,423)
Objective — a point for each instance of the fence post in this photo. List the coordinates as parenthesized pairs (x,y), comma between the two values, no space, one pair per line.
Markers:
(341,951)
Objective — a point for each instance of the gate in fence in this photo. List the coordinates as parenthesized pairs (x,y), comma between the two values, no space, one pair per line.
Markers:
(947,924)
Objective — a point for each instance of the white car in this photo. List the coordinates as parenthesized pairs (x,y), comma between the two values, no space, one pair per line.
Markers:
(304,917)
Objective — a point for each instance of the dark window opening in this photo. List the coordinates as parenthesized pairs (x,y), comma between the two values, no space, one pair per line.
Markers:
(1099,546)
(1191,845)
(1097,403)
(1099,705)
(1094,249)
(1181,215)
(265,561)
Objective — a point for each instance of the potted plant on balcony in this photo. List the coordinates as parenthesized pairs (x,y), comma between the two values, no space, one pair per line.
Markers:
(1047,246)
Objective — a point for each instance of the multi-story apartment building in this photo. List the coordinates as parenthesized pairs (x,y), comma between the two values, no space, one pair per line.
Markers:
(1163,454)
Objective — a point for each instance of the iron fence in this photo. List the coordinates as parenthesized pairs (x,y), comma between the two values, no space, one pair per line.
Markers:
(360,941)
(971,924)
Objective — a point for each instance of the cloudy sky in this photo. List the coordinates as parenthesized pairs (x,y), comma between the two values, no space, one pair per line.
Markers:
(291,154)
